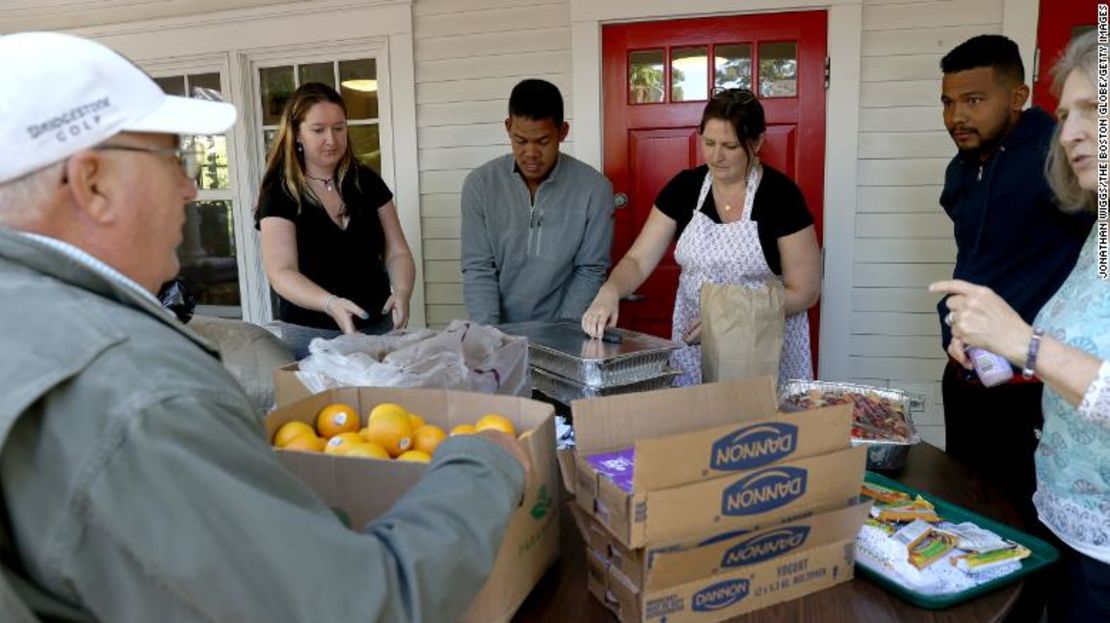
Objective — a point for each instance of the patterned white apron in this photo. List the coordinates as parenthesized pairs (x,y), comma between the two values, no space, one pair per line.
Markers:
(728,253)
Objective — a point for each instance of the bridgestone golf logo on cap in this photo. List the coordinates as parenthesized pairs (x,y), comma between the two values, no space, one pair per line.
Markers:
(764,490)
(765,547)
(721,595)
(73,122)
(751,447)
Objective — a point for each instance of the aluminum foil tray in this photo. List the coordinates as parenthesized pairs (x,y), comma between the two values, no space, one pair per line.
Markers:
(565,390)
(882,454)
(562,348)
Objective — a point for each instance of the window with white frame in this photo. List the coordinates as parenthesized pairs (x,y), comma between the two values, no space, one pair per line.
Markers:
(208,253)
(356,80)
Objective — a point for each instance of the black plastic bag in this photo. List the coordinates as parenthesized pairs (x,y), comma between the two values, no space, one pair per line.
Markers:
(176,298)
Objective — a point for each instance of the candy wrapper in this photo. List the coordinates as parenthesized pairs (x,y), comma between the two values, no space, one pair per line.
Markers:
(972,538)
(883,495)
(930,547)
(977,562)
(919,508)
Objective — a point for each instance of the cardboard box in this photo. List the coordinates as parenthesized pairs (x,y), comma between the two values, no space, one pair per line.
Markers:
(287,387)
(747,571)
(531,542)
(711,457)
(670,564)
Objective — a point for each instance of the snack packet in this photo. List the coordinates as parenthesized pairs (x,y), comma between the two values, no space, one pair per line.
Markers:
(976,562)
(883,495)
(887,529)
(912,532)
(919,508)
(930,547)
(972,538)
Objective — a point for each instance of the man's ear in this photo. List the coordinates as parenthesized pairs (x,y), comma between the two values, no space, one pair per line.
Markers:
(85,177)
(509,126)
(1019,97)
(563,131)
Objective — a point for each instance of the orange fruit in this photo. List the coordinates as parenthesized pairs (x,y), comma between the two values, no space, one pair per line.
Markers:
(496,422)
(343,442)
(384,408)
(291,430)
(336,418)
(417,421)
(307,442)
(366,450)
(416,456)
(392,431)
(427,438)
(463,429)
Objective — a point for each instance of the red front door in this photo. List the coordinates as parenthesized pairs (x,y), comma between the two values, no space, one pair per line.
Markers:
(657,77)
(1059,22)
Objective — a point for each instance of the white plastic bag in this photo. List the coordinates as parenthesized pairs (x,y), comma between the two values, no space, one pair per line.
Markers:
(465,356)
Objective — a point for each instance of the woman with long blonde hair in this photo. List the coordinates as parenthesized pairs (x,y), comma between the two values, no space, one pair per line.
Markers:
(332,243)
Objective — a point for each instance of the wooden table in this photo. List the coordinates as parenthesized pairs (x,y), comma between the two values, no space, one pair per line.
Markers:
(561,595)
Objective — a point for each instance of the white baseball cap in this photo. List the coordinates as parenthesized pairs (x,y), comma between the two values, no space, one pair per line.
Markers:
(60,94)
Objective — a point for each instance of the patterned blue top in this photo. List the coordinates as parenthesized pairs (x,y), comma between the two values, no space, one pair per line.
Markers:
(1073,458)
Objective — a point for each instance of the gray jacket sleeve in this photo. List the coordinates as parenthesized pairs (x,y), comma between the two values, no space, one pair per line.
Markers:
(193,518)
(592,260)
(480,285)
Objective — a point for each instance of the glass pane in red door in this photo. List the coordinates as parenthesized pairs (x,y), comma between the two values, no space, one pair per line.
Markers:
(690,74)
(646,82)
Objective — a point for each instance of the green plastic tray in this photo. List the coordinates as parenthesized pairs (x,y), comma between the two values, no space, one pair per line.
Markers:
(1042,554)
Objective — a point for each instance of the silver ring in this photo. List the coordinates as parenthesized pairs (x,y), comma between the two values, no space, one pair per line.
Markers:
(950,318)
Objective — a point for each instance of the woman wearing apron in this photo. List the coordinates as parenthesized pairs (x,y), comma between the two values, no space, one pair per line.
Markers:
(738,222)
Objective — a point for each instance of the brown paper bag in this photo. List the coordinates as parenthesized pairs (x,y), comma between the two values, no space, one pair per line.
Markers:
(741,330)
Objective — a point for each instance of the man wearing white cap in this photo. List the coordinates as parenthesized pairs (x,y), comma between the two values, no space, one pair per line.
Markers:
(136,482)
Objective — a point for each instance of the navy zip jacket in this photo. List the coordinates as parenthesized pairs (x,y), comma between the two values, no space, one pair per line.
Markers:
(1010,234)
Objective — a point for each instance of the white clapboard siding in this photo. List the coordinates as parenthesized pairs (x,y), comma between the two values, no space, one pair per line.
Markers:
(899,198)
(440,315)
(903,238)
(442,271)
(921,40)
(494,65)
(440,204)
(901,119)
(911,16)
(936,144)
(896,323)
(899,93)
(901,171)
(467,20)
(469,55)
(887,275)
(936,225)
(480,90)
(908,67)
(932,251)
(440,228)
(444,293)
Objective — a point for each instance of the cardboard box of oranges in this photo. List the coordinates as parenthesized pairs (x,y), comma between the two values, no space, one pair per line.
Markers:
(361,449)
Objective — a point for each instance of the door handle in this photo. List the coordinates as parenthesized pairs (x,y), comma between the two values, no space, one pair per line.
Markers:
(635,298)
(620,200)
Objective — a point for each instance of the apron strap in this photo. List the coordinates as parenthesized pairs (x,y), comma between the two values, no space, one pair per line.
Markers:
(755,176)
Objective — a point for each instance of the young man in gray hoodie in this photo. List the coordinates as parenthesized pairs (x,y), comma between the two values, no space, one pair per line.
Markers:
(536,224)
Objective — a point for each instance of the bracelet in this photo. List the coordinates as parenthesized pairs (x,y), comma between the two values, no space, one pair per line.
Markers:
(327,303)
(1031,356)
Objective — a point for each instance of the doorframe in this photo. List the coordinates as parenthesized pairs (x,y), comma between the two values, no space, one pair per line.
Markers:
(845,38)
(845,24)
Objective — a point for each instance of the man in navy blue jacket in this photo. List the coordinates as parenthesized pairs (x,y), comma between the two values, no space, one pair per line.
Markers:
(1011,237)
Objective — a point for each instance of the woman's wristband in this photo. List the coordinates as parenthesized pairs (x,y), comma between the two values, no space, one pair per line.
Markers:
(1031,355)
(328,302)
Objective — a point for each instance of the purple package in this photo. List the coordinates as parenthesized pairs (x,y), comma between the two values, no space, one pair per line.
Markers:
(617,466)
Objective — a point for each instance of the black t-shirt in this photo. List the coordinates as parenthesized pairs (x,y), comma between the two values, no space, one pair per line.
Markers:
(346,262)
(779,209)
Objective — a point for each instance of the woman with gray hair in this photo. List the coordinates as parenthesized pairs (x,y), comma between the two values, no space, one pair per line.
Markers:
(1068,347)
